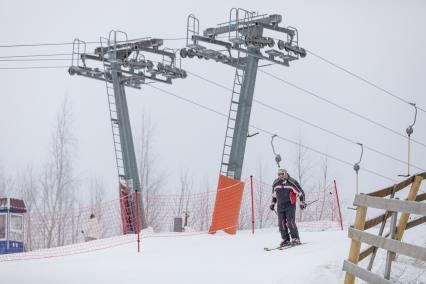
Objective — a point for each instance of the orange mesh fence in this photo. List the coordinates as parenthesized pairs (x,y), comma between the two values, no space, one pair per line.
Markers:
(227,205)
(228,208)
(75,230)
(322,213)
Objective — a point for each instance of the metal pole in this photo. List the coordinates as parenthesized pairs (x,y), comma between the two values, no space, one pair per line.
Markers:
(357,182)
(239,140)
(338,205)
(382,228)
(389,254)
(252,204)
(409,155)
(126,138)
(137,220)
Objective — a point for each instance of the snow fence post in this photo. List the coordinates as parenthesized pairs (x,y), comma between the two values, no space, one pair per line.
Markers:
(252,204)
(338,205)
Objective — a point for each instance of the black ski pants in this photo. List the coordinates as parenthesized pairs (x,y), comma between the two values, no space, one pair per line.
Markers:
(287,220)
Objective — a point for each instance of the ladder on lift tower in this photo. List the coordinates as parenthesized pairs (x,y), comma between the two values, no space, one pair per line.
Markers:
(226,168)
(115,123)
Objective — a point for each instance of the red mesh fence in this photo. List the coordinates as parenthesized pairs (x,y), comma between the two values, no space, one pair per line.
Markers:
(322,212)
(114,222)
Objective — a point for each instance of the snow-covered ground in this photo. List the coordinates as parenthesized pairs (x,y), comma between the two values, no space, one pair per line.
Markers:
(201,258)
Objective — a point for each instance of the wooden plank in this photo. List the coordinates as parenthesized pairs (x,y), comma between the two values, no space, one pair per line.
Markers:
(366,252)
(388,190)
(363,274)
(421,197)
(411,207)
(369,250)
(375,221)
(395,246)
(416,222)
(403,184)
(361,215)
(404,216)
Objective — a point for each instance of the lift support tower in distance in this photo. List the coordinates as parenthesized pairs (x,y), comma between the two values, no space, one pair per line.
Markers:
(122,63)
(240,43)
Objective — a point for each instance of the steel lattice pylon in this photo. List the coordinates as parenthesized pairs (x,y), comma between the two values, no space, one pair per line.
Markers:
(239,43)
(122,64)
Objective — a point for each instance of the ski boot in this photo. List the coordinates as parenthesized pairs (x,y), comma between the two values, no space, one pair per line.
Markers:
(295,242)
(285,243)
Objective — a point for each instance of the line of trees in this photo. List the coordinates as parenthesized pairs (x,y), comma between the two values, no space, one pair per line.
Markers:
(56,212)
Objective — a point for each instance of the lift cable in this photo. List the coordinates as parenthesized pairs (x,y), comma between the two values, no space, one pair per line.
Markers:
(361,79)
(339,106)
(270,133)
(322,58)
(259,102)
(306,122)
(34,67)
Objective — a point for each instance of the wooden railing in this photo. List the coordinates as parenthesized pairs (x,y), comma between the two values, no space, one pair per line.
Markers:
(412,205)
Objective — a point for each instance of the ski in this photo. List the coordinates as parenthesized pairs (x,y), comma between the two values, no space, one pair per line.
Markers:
(274,248)
(281,248)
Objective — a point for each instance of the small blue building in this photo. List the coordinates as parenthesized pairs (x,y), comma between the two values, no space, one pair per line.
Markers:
(12,225)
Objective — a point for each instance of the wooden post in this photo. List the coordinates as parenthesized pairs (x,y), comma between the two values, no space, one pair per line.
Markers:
(402,224)
(361,214)
(404,216)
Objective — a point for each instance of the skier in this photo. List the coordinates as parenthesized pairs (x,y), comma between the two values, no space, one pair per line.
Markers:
(91,230)
(285,191)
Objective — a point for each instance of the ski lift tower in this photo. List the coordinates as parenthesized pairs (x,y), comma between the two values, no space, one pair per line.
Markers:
(122,63)
(240,43)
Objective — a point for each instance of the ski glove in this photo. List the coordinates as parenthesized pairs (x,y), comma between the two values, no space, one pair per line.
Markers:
(272,206)
(302,205)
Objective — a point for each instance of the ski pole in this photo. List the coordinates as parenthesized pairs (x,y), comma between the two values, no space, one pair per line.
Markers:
(307,204)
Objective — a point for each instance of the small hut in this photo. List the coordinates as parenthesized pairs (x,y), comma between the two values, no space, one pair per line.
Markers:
(12,212)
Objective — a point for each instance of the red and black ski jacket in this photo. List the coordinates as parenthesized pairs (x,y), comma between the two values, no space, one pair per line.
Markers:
(285,192)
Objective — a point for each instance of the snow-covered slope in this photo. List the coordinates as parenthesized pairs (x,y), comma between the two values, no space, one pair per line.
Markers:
(206,259)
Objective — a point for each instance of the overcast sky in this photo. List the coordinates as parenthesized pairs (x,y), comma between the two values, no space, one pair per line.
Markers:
(383,41)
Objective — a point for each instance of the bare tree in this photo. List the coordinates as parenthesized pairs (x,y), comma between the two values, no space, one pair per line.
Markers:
(204,213)
(97,193)
(27,190)
(151,178)
(57,181)
(262,199)
(323,185)
(303,163)
(7,185)
(186,186)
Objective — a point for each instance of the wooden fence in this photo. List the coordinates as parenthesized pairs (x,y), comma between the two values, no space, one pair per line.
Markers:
(393,245)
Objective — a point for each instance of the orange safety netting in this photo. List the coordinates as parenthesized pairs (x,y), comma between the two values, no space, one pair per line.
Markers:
(227,205)
(230,207)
